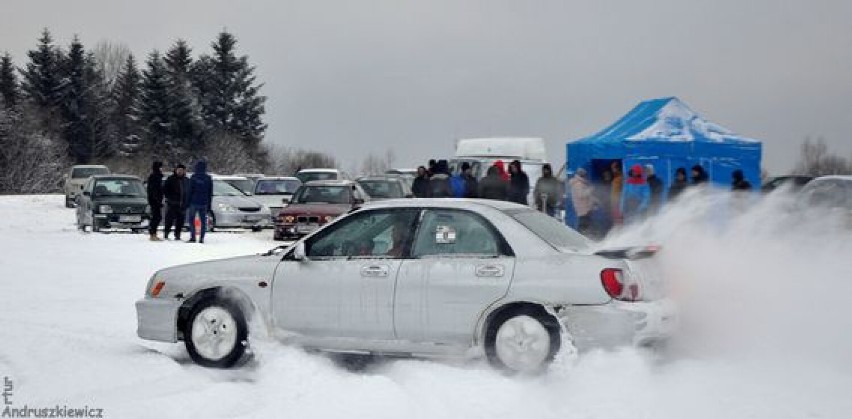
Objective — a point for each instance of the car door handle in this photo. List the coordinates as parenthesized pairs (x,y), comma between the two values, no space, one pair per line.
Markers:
(490,270)
(374,271)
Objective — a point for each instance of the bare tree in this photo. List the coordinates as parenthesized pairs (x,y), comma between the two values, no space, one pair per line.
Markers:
(287,161)
(226,154)
(30,161)
(377,164)
(817,160)
(110,58)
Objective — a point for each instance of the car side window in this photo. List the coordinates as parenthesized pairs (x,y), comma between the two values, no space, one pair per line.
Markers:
(365,235)
(453,232)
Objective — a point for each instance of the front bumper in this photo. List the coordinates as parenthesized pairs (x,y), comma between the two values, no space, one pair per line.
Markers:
(295,230)
(157,319)
(619,323)
(115,221)
(242,219)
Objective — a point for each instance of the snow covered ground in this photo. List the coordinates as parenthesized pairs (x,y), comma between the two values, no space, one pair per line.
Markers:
(770,333)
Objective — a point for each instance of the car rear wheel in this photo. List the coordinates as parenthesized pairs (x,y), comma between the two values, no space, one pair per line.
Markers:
(216,333)
(523,340)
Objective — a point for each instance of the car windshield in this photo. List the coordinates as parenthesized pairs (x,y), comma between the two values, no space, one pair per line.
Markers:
(276,186)
(119,188)
(322,195)
(245,185)
(550,230)
(306,177)
(222,188)
(84,172)
(382,188)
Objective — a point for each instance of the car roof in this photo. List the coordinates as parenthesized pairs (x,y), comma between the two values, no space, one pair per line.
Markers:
(228,177)
(330,183)
(319,170)
(89,166)
(118,176)
(279,178)
(461,203)
(836,177)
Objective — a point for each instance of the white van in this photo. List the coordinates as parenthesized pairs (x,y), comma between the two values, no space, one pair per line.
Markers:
(482,153)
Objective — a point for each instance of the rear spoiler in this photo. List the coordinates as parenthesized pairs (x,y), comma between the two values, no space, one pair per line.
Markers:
(632,253)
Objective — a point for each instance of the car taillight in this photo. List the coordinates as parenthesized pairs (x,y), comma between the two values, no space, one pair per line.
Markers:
(619,285)
(613,282)
(157,288)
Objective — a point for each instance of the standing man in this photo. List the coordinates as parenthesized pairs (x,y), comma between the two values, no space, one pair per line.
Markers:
(493,186)
(420,187)
(155,199)
(200,198)
(738,182)
(519,183)
(471,184)
(584,200)
(548,191)
(656,187)
(175,190)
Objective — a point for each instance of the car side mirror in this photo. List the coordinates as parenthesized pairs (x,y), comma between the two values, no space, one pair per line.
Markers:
(87,193)
(299,252)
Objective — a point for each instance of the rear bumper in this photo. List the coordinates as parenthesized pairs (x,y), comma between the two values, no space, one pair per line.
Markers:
(157,319)
(620,323)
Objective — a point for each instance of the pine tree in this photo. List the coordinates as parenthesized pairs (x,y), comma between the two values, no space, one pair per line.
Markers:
(10,92)
(229,95)
(185,122)
(125,110)
(154,109)
(41,80)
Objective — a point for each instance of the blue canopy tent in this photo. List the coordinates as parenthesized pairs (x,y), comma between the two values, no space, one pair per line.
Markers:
(667,134)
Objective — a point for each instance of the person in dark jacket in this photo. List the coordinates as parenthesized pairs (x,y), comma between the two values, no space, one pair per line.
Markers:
(155,199)
(636,196)
(200,197)
(471,185)
(738,182)
(439,183)
(520,183)
(548,191)
(420,187)
(656,187)
(175,190)
(492,186)
(679,183)
(431,168)
(699,175)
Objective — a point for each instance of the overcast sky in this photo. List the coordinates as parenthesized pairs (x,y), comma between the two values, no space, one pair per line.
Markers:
(358,77)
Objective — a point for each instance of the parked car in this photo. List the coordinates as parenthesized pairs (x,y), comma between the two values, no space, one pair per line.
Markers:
(830,195)
(430,278)
(275,192)
(385,187)
(310,175)
(315,204)
(244,184)
(231,208)
(794,182)
(406,172)
(76,178)
(251,176)
(113,202)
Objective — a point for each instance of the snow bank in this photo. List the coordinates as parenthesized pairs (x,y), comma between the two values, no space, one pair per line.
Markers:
(768,333)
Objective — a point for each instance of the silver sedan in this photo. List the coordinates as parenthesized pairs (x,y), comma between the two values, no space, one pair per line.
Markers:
(418,277)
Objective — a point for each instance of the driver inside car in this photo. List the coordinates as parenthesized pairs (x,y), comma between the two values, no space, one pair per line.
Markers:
(399,235)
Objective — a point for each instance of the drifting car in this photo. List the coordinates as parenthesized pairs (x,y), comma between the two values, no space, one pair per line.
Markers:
(418,278)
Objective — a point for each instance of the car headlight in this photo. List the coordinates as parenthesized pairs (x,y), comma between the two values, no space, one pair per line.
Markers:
(289,219)
(226,207)
(328,218)
(104,209)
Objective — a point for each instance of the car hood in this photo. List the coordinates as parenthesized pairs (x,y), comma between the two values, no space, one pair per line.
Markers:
(236,201)
(272,200)
(120,201)
(185,279)
(317,209)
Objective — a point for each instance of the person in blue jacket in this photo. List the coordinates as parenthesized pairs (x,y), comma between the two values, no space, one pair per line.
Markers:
(200,197)
(636,196)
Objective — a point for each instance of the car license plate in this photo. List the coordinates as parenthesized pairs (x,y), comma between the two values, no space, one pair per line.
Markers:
(306,228)
(130,218)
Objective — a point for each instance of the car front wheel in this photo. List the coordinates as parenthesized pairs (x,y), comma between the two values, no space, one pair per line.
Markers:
(216,333)
(524,340)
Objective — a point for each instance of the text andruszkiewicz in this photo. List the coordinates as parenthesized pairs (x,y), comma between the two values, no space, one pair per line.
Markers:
(56,411)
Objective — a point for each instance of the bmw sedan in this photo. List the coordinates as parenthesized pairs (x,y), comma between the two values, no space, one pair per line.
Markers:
(418,278)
